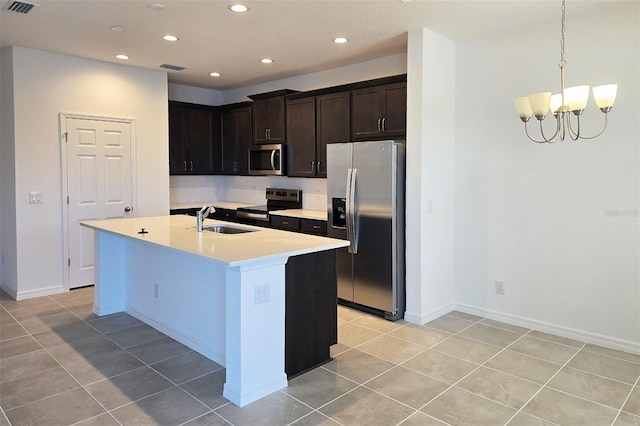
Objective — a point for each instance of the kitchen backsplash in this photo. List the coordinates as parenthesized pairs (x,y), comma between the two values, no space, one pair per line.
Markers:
(245,189)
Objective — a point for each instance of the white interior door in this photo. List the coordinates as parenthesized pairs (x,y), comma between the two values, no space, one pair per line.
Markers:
(99,185)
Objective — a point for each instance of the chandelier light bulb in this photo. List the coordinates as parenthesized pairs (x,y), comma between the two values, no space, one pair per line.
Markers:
(555,103)
(576,98)
(540,104)
(523,108)
(605,95)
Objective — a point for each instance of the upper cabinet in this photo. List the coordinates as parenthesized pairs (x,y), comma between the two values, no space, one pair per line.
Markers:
(236,137)
(269,117)
(333,124)
(193,136)
(379,111)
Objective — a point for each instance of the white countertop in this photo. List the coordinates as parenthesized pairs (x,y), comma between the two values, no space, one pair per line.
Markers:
(231,205)
(301,213)
(178,232)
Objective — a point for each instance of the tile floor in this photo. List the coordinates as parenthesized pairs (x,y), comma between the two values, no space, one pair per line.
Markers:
(62,365)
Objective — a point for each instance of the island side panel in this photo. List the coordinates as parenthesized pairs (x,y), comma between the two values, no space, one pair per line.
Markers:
(180,294)
(255,330)
(110,279)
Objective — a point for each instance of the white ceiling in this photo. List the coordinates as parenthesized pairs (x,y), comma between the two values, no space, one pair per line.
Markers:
(296,34)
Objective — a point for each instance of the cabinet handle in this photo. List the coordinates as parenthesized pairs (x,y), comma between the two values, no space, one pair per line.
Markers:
(266,134)
(269,133)
(185,165)
(313,166)
(191,164)
(383,121)
(379,126)
(316,227)
(318,167)
(284,222)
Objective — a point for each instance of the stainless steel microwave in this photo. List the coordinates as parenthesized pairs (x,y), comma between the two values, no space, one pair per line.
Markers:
(268,160)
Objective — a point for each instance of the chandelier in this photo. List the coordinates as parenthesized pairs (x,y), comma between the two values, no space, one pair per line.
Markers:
(569,100)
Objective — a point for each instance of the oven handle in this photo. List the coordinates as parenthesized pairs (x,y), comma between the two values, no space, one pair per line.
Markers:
(249,215)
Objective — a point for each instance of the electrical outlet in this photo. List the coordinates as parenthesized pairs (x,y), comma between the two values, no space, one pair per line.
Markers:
(156,290)
(499,287)
(261,294)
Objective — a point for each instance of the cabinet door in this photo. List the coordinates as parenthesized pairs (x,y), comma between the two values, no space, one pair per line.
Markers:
(243,138)
(268,120)
(301,137)
(228,143)
(200,142)
(260,121)
(178,133)
(395,117)
(366,112)
(333,124)
(276,120)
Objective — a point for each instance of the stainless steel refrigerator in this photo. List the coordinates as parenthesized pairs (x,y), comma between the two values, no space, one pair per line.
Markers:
(365,192)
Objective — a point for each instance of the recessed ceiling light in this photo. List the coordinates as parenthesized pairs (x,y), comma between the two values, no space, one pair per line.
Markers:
(340,40)
(215,74)
(239,8)
(117,28)
(266,61)
(123,57)
(155,6)
(170,38)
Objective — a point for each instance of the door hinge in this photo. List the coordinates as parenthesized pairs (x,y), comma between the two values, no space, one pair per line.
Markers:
(67,200)
(69,261)
(66,136)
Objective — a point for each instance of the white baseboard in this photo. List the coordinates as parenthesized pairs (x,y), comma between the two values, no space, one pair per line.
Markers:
(242,399)
(558,330)
(422,319)
(30,294)
(216,354)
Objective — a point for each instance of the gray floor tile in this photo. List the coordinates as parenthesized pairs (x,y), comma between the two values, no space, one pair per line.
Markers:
(348,314)
(65,334)
(208,389)
(158,350)
(358,366)
(11,305)
(83,349)
(209,419)
(440,366)
(128,387)
(459,407)
(18,346)
(49,322)
(491,335)
(564,409)
(135,335)
(11,330)
(365,407)
(392,349)
(603,365)
(105,419)
(557,339)
(315,419)
(275,409)
(627,356)
(504,326)
(422,335)
(318,387)
(633,404)
(36,387)
(3,420)
(378,324)
(62,409)
(101,366)
(500,387)
(187,366)
(626,419)
(84,312)
(42,309)
(407,386)
(78,301)
(337,349)
(421,419)
(524,366)
(589,386)
(170,407)
(114,322)
(5,317)
(73,294)
(26,365)
(544,349)
(524,419)
(464,315)
(450,323)
(352,334)
(467,349)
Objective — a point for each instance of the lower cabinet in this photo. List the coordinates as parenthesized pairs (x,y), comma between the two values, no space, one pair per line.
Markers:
(306,226)
(220,214)
(311,324)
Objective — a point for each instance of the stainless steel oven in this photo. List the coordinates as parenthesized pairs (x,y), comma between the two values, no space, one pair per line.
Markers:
(268,160)
(277,199)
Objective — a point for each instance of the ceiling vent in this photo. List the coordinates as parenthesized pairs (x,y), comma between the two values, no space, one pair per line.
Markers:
(20,7)
(172,67)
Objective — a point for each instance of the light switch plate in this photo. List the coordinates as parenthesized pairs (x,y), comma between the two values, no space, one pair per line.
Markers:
(261,294)
(35,197)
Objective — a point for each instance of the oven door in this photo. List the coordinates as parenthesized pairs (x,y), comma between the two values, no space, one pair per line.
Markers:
(252,218)
(267,160)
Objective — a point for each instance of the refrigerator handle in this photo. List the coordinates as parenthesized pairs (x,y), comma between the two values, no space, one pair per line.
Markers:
(352,212)
(347,206)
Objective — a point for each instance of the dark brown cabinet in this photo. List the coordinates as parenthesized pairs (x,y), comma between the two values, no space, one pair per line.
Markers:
(379,112)
(224,214)
(285,223)
(301,137)
(295,224)
(269,120)
(193,135)
(236,134)
(312,123)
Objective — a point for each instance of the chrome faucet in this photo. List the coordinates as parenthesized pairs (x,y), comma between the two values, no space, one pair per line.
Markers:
(202,214)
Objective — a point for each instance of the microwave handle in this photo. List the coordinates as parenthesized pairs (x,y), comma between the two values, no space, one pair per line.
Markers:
(273,157)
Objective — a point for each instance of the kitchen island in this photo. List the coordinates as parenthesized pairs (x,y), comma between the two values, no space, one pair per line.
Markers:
(223,295)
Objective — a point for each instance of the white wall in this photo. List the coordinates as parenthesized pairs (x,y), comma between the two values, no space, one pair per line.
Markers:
(46,84)
(430,181)
(557,223)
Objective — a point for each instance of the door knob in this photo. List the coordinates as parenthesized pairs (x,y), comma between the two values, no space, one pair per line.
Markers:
(127,209)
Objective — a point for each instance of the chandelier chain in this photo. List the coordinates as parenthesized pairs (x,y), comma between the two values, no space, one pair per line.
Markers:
(562,61)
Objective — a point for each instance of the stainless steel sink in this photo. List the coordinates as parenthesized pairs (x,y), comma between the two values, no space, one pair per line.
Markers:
(227,229)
